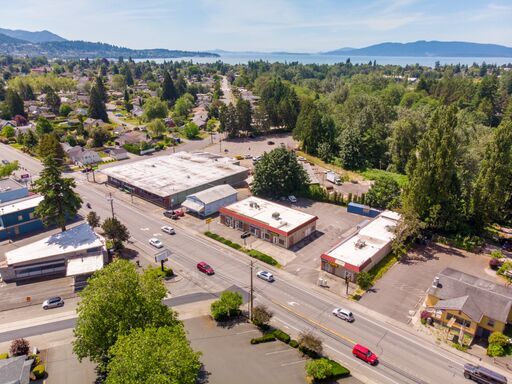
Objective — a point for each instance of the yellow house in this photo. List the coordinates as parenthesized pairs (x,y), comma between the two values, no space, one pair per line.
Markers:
(467,303)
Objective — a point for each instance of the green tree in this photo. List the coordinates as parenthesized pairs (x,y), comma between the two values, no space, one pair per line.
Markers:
(384,193)
(153,355)
(43,126)
(168,89)
(184,105)
(319,369)
(228,305)
(8,131)
(30,139)
(93,219)
(308,129)
(434,188)
(493,186)
(115,231)
(132,300)
(14,104)
(364,280)
(128,76)
(52,100)
(154,108)
(351,149)
(49,145)
(118,82)
(7,169)
(407,231)
(228,120)
(97,108)
(278,173)
(65,110)
(60,202)
(100,88)
(157,127)
(244,115)
(99,136)
(280,103)
(191,130)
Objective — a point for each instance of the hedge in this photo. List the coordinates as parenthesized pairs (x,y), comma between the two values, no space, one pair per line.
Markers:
(39,371)
(282,336)
(253,253)
(309,352)
(294,343)
(4,356)
(264,339)
(338,370)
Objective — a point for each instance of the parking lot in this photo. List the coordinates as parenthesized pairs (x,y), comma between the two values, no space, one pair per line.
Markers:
(401,291)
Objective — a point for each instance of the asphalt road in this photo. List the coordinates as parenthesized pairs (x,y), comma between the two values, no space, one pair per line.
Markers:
(404,357)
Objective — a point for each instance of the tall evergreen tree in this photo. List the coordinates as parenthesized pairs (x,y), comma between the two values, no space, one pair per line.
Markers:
(168,89)
(52,100)
(244,115)
(97,108)
(60,202)
(308,129)
(14,104)
(493,186)
(100,88)
(433,190)
(49,145)
(128,76)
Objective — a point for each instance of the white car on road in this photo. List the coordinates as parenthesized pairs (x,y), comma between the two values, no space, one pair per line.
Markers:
(265,275)
(155,242)
(343,314)
(168,230)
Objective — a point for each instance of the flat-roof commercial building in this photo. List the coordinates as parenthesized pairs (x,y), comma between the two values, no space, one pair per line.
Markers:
(269,221)
(209,201)
(364,249)
(76,252)
(168,180)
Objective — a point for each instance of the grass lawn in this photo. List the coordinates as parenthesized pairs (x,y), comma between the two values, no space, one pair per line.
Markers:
(342,172)
(373,174)
(16,145)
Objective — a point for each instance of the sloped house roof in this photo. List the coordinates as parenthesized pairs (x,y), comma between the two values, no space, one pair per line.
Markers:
(472,295)
(15,370)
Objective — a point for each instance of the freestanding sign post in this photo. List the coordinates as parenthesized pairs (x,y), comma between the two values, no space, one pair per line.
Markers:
(162,257)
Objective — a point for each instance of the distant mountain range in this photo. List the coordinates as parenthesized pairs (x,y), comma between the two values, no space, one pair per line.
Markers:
(428,49)
(45,43)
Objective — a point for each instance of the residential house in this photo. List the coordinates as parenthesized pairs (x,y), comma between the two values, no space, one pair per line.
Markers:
(469,304)
(117,153)
(15,370)
(81,156)
(3,123)
(169,122)
(137,110)
(25,128)
(132,137)
(200,116)
(91,123)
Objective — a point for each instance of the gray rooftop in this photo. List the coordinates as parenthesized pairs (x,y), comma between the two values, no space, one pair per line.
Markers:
(9,184)
(215,193)
(15,370)
(181,171)
(472,295)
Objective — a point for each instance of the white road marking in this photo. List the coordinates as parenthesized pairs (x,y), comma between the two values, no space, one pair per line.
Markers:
(293,303)
(288,325)
(243,333)
(281,351)
(292,363)
(144,229)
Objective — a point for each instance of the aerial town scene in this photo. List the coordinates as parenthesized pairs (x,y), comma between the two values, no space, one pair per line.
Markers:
(216,192)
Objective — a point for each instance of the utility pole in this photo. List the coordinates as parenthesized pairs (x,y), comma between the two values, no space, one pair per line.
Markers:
(251,292)
(346,284)
(111,199)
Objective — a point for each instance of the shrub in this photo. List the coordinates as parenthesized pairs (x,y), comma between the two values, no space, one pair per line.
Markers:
(495,350)
(261,315)
(36,358)
(264,339)
(262,257)
(4,356)
(338,370)
(319,369)
(497,254)
(294,344)
(498,338)
(19,347)
(364,280)
(39,371)
(227,306)
(310,345)
(282,336)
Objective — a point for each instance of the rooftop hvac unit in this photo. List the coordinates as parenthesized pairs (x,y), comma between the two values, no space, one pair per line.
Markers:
(275,215)
(360,244)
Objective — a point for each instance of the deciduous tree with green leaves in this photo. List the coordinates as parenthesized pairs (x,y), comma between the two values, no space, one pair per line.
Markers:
(49,145)
(153,355)
(227,306)
(154,108)
(384,193)
(93,219)
(117,300)
(279,173)
(7,169)
(60,202)
(115,231)
(191,130)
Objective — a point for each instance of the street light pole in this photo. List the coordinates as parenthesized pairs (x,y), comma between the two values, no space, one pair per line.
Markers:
(111,200)
(251,293)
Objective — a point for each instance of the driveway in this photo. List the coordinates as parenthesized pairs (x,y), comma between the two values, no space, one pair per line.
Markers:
(401,291)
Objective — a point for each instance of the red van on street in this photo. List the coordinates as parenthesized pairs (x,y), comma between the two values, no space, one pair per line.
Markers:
(365,354)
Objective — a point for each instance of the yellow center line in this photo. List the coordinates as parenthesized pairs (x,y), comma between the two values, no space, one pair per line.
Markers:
(315,322)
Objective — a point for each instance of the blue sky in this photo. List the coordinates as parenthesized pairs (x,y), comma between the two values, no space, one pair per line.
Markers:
(263,25)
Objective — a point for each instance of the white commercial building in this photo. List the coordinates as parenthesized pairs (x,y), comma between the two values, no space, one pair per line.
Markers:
(168,180)
(79,251)
(209,201)
(364,249)
(269,221)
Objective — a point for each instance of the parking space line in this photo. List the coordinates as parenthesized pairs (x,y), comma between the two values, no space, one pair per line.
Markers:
(292,363)
(243,333)
(281,351)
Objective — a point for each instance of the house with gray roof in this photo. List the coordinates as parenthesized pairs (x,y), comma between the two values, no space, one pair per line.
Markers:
(469,304)
(15,370)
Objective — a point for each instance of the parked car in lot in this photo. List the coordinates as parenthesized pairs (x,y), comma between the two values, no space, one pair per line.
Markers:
(365,354)
(174,214)
(5,162)
(168,230)
(265,275)
(248,156)
(205,268)
(292,199)
(155,242)
(483,375)
(53,302)
(256,159)
(343,314)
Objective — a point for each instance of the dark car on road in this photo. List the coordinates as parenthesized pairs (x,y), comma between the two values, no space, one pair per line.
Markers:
(483,375)
(205,268)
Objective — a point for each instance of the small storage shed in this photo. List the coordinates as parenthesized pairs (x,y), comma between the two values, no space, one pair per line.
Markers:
(209,201)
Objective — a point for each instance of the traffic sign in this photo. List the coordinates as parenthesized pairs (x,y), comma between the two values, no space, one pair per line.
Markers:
(208,221)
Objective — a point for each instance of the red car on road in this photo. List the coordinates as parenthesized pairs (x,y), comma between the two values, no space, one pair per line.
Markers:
(364,354)
(205,268)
